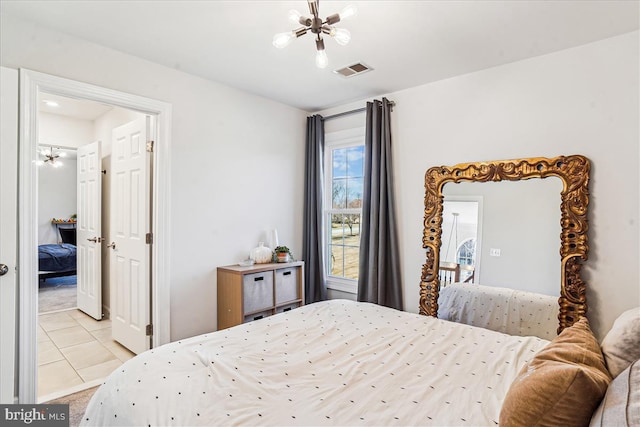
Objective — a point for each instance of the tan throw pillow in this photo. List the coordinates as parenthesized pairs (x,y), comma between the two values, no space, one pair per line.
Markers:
(562,385)
(621,404)
(621,345)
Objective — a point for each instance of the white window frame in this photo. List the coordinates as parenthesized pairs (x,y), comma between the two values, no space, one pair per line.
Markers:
(336,140)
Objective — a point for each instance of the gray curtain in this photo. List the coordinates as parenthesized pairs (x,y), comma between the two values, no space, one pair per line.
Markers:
(379,280)
(312,252)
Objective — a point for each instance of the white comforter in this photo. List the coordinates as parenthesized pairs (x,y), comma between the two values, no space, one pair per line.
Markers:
(500,309)
(331,363)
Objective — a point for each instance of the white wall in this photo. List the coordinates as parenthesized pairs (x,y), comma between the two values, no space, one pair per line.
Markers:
(577,101)
(226,146)
(56,198)
(57,186)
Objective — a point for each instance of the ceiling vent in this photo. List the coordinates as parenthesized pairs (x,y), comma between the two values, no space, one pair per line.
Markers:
(354,69)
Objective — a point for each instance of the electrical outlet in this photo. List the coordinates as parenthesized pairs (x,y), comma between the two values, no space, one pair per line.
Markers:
(494,252)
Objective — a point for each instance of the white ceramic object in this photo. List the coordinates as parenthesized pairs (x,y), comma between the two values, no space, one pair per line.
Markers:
(261,254)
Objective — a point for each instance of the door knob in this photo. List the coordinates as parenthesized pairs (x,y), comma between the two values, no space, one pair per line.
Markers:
(3,269)
(112,245)
(95,240)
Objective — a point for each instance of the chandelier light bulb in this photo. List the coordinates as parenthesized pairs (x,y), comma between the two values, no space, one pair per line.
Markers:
(341,36)
(56,164)
(62,154)
(294,16)
(282,40)
(321,59)
(348,12)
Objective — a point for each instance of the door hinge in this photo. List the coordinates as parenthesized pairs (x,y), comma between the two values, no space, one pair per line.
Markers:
(149,330)
(149,238)
(150,145)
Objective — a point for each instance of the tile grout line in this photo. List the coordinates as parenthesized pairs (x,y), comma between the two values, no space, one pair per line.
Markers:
(94,339)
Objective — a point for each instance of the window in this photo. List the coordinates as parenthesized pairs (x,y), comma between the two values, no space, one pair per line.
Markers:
(344,166)
(466,257)
(467,252)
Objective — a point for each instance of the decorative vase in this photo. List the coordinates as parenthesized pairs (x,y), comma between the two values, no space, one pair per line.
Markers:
(261,254)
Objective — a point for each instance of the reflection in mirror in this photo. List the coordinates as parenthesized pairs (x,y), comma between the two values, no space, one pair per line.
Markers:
(461,245)
(520,230)
(520,214)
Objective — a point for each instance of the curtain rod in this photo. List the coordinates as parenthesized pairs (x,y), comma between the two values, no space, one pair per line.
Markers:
(357,110)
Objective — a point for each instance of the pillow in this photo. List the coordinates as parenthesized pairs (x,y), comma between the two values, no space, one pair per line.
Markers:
(621,404)
(621,345)
(562,385)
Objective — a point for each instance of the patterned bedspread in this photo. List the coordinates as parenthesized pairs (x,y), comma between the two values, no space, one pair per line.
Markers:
(331,363)
(500,309)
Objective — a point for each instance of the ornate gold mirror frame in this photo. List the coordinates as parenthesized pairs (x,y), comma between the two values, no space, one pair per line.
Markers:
(574,173)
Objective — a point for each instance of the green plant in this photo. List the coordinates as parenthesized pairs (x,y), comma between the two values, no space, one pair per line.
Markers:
(282,250)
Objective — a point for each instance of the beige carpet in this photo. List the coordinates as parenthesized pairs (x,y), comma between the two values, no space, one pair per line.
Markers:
(58,293)
(77,404)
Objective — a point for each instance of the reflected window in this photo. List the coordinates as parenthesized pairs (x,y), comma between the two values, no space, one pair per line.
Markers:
(467,252)
(466,256)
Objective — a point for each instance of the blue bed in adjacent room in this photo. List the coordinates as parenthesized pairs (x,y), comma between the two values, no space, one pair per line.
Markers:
(56,260)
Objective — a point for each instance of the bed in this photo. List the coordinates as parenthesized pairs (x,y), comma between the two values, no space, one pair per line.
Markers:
(56,260)
(511,311)
(330,363)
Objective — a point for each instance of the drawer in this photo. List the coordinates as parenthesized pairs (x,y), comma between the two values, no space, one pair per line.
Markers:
(287,307)
(257,291)
(257,316)
(286,285)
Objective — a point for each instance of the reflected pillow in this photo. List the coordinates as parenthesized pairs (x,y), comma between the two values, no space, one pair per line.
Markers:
(621,345)
(562,385)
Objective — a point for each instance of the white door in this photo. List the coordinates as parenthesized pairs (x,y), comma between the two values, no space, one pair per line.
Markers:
(8,227)
(130,223)
(89,228)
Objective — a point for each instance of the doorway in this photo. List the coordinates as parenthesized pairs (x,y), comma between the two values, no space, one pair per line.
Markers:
(32,87)
(76,346)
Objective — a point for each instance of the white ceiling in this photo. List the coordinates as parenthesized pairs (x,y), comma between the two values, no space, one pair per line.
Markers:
(76,108)
(408,43)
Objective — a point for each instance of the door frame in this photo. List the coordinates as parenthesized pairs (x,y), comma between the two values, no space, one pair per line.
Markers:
(31,84)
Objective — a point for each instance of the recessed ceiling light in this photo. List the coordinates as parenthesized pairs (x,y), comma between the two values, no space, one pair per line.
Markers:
(50,103)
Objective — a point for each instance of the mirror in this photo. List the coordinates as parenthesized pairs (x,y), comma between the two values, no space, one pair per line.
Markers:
(573,174)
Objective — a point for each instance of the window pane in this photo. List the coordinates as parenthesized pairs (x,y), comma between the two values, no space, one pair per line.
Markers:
(344,247)
(354,193)
(339,163)
(339,193)
(355,161)
(336,260)
(351,263)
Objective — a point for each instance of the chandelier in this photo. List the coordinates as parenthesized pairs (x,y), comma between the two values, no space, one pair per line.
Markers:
(318,27)
(51,156)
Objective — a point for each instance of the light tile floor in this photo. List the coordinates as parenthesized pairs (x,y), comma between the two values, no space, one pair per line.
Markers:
(74,349)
